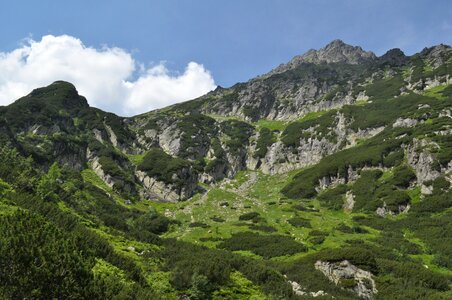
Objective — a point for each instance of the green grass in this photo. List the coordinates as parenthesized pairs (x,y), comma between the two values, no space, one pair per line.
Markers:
(103,269)
(271,124)
(239,288)
(436,92)
(6,209)
(136,159)
(264,198)
(312,115)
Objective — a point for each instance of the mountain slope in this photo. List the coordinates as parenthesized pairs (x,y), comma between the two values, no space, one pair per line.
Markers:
(327,177)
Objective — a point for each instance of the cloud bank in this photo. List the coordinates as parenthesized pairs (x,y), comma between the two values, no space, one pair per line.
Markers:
(110,78)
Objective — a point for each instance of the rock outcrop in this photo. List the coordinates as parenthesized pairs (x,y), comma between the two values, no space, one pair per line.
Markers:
(156,190)
(335,52)
(348,276)
(422,161)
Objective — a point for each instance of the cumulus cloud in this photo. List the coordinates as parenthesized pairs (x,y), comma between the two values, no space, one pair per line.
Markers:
(109,77)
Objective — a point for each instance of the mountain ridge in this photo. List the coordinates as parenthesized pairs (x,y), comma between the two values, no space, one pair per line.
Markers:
(329,179)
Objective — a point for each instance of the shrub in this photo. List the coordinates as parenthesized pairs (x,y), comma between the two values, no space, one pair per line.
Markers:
(403,176)
(266,246)
(250,216)
(265,140)
(299,222)
(199,224)
(156,163)
(333,198)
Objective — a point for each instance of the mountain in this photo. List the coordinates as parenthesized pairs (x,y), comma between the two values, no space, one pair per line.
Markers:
(335,52)
(329,176)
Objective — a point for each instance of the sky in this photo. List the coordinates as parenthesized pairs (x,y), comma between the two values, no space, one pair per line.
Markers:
(133,56)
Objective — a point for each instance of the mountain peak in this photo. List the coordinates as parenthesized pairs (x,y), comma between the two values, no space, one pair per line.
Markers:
(60,94)
(337,51)
(336,43)
(394,57)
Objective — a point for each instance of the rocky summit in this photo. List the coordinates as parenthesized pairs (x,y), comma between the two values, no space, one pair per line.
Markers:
(327,177)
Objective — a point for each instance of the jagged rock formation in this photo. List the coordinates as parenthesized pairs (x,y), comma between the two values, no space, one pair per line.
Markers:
(335,52)
(349,276)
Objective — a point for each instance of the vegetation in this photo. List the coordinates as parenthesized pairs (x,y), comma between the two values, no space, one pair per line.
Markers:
(156,163)
(265,140)
(266,246)
(67,234)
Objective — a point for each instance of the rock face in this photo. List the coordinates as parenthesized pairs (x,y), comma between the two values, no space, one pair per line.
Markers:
(350,277)
(349,201)
(385,211)
(112,181)
(422,161)
(437,55)
(407,122)
(161,191)
(335,52)
(300,291)
(279,159)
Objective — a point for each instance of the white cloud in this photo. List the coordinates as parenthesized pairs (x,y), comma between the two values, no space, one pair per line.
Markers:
(103,76)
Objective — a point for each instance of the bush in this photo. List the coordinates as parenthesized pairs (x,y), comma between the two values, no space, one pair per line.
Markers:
(299,222)
(403,176)
(238,133)
(266,246)
(199,224)
(250,216)
(39,261)
(333,198)
(156,163)
(265,140)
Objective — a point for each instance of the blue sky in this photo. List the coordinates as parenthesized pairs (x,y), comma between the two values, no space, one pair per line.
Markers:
(236,39)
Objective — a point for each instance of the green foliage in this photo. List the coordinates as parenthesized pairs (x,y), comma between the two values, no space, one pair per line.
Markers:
(39,261)
(265,140)
(299,222)
(49,184)
(251,112)
(440,185)
(156,163)
(250,216)
(238,133)
(317,237)
(333,198)
(17,170)
(364,188)
(5,188)
(42,106)
(322,125)
(384,111)
(196,131)
(385,88)
(403,176)
(151,222)
(266,246)
(371,153)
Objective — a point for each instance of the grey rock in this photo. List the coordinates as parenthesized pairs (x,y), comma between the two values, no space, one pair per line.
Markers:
(335,52)
(422,160)
(407,122)
(349,201)
(365,286)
